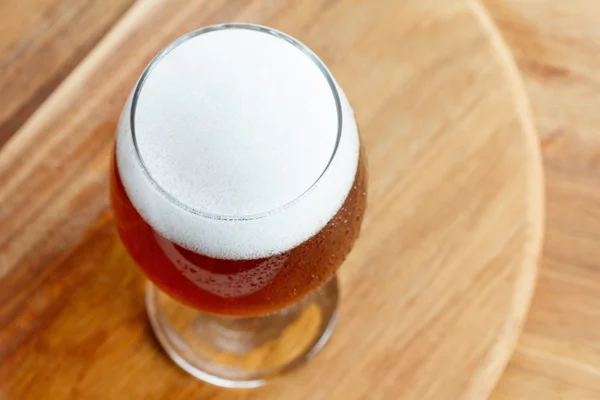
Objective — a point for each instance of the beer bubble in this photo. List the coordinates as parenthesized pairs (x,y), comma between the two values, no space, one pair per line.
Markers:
(236,152)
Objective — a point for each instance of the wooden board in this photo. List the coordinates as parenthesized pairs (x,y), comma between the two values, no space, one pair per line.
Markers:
(557,47)
(41,41)
(437,288)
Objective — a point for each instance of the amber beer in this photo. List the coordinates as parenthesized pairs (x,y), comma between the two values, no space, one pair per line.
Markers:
(237,182)
(240,287)
(238,187)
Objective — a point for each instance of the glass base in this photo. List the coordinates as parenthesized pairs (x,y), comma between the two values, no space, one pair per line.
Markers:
(242,352)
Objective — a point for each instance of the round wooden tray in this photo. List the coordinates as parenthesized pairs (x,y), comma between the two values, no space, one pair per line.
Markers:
(435,291)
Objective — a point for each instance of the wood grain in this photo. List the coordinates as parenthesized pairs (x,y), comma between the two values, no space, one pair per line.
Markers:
(557,48)
(437,288)
(41,41)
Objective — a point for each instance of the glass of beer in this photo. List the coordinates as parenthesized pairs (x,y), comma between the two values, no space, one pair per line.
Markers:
(238,187)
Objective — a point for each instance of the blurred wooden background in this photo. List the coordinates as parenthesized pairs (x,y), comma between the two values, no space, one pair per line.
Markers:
(557,47)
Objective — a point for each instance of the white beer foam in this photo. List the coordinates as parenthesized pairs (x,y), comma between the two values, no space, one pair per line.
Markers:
(238,125)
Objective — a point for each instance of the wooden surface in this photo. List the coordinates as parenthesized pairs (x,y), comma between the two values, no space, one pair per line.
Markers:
(557,47)
(41,42)
(437,288)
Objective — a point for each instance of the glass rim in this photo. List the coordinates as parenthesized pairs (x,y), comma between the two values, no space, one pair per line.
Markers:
(211,28)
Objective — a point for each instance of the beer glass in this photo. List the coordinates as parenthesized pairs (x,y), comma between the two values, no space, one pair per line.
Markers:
(238,188)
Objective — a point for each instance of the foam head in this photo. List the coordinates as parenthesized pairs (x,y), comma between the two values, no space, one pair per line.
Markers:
(239,126)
